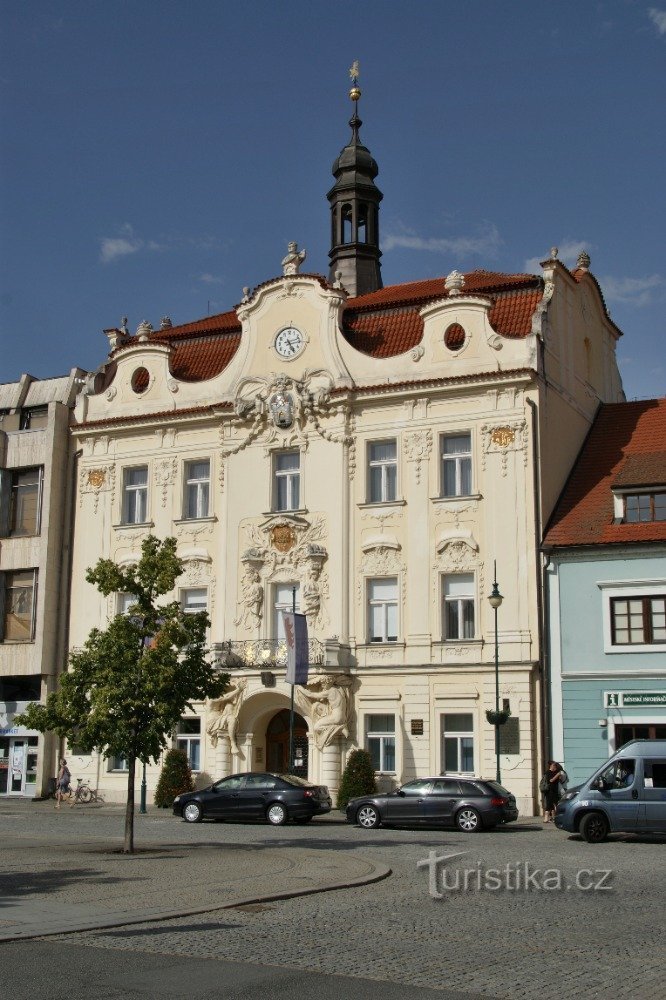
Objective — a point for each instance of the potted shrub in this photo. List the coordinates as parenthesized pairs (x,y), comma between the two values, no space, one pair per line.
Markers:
(358,778)
(176,777)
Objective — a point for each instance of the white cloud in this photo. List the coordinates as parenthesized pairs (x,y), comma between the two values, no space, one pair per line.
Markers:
(631,291)
(112,247)
(658,18)
(211,279)
(485,242)
(567,252)
(127,242)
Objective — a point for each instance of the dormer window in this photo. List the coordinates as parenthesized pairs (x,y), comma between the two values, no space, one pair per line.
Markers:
(637,508)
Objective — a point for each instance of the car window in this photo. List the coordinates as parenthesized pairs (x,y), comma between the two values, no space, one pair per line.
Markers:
(416,787)
(620,774)
(496,787)
(260,781)
(226,784)
(655,773)
(293,779)
(445,786)
(469,789)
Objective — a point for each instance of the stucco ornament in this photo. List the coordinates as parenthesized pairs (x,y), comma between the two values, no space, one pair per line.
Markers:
(502,440)
(281,405)
(418,446)
(165,475)
(292,262)
(326,700)
(101,479)
(454,283)
(251,596)
(223,715)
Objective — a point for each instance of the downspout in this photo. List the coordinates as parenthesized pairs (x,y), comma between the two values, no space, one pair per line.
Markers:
(544,665)
(64,597)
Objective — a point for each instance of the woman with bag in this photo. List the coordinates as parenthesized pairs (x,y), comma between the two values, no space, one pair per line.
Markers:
(62,782)
(550,787)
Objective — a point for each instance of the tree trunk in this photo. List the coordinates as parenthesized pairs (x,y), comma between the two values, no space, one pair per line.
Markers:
(129,811)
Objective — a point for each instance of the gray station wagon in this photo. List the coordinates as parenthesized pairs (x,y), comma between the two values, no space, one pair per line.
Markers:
(626,795)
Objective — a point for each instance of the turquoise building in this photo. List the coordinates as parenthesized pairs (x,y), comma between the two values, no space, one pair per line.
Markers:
(605,591)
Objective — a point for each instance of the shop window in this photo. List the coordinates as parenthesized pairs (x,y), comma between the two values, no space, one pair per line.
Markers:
(458,743)
(189,740)
(456,465)
(383,609)
(197,489)
(458,606)
(382,471)
(380,742)
(17,593)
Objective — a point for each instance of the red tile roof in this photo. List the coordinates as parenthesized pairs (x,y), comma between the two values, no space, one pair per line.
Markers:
(626,446)
(382,324)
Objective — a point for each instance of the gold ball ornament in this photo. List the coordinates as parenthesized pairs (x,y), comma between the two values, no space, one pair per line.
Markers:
(355,93)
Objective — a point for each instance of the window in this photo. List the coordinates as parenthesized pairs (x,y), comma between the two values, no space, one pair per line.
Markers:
(189,740)
(383,610)
(458,743)
(283,601)
(458,612)
(456,459)
(135,495)
(24,501)
(638,621)
(380,741)
(118,764)
(644,507)
(197,489)
(34,418)
(194,600)
(287,475)
(18,594)
(416,788)
(382,471)
(124,602)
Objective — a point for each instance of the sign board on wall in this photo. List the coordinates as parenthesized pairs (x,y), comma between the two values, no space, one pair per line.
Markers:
(634,699)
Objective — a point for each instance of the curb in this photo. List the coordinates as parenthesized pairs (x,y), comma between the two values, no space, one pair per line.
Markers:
(380,873)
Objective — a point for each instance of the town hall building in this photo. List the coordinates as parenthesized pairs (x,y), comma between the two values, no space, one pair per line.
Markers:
(372,455)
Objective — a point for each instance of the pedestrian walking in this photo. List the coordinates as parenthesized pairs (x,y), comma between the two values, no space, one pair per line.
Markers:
(551,788)
(62,782)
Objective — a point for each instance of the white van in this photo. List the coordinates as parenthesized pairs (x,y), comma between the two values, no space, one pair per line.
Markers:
(626,795)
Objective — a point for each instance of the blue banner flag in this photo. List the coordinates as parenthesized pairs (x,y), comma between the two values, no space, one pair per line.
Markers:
(296,635)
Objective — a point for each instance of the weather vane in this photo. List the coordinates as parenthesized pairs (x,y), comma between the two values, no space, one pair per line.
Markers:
(355,91)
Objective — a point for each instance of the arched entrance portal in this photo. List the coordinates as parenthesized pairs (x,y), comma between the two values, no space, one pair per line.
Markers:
(277,744)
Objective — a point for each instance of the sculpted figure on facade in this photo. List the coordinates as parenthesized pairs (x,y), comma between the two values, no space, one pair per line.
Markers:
(295,257)
(328,707)
(252,598)
(223,715)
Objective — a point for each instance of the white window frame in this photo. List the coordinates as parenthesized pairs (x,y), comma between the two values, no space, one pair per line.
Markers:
(383,605)
(458,735)
(293,482)
(136,490)
(198,488)
(124,602)
(471,596)
(457,459)
(280,605)
(383,738)
(383,464)
(185,741)
(630,590)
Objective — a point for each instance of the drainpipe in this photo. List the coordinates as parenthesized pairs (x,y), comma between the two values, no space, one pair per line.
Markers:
(544,669)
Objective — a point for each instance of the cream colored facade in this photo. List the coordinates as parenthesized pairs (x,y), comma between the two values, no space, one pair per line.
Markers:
(526,404)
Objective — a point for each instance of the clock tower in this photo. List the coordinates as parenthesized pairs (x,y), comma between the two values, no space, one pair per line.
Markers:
(354,200)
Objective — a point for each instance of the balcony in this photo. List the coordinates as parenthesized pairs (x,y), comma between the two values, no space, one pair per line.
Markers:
(261,654)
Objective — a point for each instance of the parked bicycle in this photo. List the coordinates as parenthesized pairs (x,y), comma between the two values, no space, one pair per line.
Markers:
(83,793)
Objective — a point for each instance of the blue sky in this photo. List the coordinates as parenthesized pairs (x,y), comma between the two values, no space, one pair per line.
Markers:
(158,156)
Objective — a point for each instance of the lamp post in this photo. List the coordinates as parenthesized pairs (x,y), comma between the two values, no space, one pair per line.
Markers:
(142,805)
(495,600)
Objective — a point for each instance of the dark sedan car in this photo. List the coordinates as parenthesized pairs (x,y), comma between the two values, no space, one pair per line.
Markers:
(470,804)
(255,795)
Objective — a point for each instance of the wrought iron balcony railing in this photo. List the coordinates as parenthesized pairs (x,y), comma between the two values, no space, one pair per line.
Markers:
(261,653)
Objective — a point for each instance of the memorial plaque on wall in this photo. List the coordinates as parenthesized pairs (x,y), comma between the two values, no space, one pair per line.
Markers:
(417,727)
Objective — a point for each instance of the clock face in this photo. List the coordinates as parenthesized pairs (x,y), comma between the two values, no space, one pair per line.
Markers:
(289,342)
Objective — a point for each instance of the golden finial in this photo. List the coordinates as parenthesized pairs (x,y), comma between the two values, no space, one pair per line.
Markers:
(355,91)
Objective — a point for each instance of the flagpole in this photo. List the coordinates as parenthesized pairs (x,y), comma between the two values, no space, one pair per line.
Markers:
(291,707)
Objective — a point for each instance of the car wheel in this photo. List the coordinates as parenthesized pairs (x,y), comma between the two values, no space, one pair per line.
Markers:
(276,814)
(368,817)
(468,820)
(302,820)
(193,813)
(594,828)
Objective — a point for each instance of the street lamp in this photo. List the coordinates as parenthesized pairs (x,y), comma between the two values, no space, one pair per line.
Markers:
(497,718)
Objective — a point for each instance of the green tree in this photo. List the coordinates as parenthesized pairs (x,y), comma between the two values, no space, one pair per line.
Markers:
(129,685)
(176,777)
(358,778)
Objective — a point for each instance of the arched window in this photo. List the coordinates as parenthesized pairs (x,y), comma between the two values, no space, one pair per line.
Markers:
(362,231)
(347,224)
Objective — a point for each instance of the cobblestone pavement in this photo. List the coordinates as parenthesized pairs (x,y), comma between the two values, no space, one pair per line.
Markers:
(557,942)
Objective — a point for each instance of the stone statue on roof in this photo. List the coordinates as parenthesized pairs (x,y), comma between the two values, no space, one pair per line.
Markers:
(295,257)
